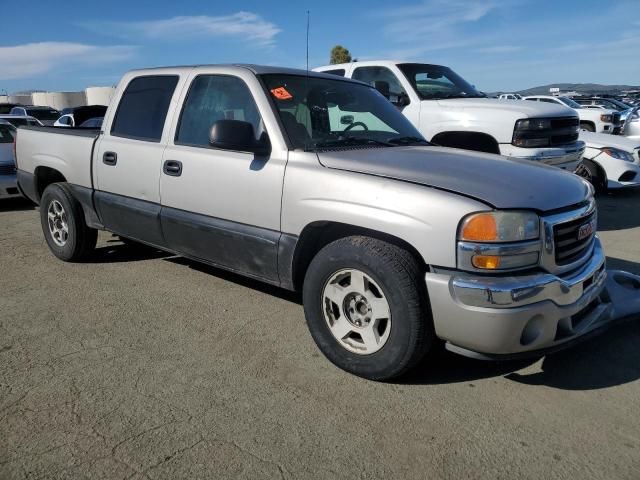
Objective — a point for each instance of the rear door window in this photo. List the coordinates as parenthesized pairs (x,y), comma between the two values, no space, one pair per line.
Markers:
(143,108)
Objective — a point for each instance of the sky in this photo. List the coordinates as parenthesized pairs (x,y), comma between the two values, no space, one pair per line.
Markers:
(497,45)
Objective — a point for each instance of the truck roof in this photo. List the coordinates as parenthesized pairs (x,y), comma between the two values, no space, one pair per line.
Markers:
(256,69)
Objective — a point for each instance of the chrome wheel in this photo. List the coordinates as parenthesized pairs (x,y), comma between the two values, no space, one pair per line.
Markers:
(58,226)
(356,311)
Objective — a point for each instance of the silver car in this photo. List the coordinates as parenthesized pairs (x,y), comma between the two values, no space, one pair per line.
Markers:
(8,184)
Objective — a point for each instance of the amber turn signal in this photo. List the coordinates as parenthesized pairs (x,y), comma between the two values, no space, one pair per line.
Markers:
(487,262)
(480,228)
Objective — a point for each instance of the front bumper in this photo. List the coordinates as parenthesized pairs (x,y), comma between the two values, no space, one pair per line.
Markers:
(566,157)
(9,186)
(502,317)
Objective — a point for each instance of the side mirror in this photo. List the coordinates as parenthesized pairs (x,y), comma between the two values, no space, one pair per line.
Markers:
(382,87)
(346,119)
(403,100)
(239,136)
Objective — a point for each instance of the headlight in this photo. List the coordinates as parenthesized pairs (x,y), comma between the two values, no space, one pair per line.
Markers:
(533,124)
(500,240)
(495,227)
(606,118)
(617,153)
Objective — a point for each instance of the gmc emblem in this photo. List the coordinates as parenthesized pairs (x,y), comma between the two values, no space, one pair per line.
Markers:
(586,230)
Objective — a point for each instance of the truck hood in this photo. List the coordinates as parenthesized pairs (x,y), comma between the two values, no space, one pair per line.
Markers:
(519,108)
(492,179)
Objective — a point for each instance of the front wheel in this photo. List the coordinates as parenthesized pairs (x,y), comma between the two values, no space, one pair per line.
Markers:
(68,236)
(366,307)
(593,174)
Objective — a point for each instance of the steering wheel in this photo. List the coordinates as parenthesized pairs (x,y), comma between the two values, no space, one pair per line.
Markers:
(356,124)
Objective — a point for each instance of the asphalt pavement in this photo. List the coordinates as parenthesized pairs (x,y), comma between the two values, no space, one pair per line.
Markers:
(143,365)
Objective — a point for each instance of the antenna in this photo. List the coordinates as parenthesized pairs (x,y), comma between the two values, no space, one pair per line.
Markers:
(307,40)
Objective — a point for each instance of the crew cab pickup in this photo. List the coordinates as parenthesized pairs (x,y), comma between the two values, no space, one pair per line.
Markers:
(395,244)
(450,112)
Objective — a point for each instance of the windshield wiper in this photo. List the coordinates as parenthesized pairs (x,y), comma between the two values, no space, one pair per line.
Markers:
(408,140)
(349,142)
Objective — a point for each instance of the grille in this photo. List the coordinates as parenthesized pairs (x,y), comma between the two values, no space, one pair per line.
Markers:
(565,122)
(7,169)
(568,248)
(563,139)
(616,119)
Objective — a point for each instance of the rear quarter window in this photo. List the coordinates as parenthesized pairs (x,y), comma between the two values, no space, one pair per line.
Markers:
(143,107)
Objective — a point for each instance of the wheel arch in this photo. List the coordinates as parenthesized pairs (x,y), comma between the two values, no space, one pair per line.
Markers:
(317,235)
(476,141)
(45,176)
(591,123)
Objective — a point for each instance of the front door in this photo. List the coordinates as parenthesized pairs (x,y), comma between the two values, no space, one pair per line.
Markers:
(221,206)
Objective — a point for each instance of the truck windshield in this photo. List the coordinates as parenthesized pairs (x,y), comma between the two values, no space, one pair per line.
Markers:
(319,113)
(435,82)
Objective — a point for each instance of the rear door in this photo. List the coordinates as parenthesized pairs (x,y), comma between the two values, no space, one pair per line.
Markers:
(223,206)
(128,159)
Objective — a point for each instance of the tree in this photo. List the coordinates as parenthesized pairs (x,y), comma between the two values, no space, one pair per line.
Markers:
(339,54)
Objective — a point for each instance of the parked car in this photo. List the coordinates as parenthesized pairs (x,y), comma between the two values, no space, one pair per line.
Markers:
(78,115)
(8,185)
(450,112)
(510,96)
(395,244)
(599,121)
(6,107)
(21,120)
(93,123)
(632,125)
(610,161)
(609,103)
(46,115)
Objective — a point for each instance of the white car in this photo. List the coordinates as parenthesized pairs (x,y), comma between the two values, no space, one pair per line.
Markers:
(510,96)
(450,112)
(76,117)
(21,120)
(599,120)
(610,161)
(631,128)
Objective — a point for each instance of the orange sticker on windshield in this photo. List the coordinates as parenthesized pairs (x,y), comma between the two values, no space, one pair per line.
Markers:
(281,93)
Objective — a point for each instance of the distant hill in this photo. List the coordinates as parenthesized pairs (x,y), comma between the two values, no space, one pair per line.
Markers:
(589,88)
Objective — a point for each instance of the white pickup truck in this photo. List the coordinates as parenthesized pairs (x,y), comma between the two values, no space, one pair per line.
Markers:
(395,244)
(591,120)
(450,112)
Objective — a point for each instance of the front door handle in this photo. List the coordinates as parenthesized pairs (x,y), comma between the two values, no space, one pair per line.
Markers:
(172,168)
(110,158)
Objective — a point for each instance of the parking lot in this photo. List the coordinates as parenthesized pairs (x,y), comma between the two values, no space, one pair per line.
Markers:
(143,365)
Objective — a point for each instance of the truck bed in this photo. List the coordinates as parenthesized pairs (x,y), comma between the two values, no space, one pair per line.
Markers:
(67,150)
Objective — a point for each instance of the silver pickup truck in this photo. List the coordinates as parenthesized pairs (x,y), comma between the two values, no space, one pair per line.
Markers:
(395,244)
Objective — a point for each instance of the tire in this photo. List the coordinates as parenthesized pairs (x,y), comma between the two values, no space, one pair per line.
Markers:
(588,127)
(592,173)
(389,274)
(62,219)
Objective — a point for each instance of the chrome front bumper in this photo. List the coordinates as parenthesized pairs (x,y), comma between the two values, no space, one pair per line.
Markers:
(565,157)
(491,317)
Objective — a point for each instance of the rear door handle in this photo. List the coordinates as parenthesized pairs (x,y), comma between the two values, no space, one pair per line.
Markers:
(110,158)
(172,168)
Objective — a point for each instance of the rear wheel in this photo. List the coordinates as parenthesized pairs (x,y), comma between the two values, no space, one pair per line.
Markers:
(366,307)
(62,219)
